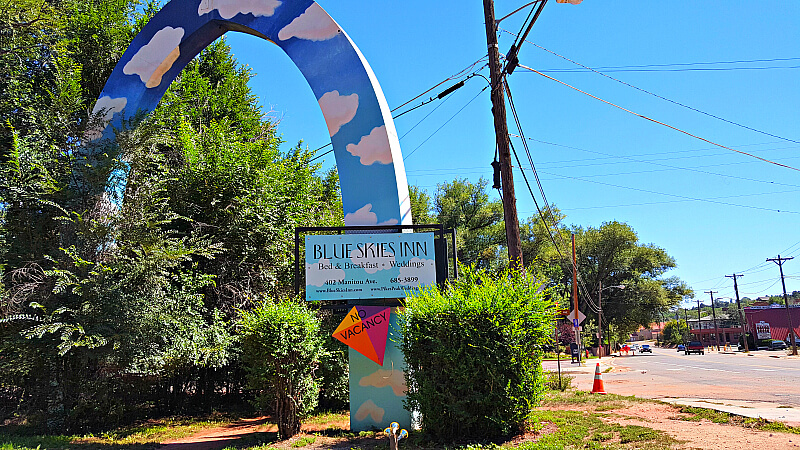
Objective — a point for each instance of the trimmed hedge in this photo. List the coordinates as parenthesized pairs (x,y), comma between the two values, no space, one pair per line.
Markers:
(473,354)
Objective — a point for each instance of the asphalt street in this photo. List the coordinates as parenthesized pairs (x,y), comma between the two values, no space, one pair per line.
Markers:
(763,376)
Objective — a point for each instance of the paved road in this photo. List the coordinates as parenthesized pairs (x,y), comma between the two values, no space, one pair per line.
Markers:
(668,373)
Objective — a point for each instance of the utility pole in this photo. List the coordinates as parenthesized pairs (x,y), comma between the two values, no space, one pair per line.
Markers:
(575,297)
(699,324)
(739,310)
(714,315)
(688,331)
(779,261)
(600,318)
(501,134)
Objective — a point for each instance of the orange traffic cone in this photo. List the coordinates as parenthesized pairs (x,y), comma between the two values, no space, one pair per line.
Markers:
(598,387)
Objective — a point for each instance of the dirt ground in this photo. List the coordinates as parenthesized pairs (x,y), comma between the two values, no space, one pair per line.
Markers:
(694,435)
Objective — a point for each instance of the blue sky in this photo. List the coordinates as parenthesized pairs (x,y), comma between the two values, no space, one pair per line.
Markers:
(714,210)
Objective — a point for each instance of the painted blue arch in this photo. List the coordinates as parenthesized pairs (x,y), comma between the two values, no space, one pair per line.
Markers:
(371,171)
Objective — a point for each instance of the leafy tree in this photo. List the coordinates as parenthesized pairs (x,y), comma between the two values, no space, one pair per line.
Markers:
(466,207)
(420,205)
(675,332)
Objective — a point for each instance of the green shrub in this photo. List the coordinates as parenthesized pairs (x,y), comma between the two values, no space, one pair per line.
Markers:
(282,347)
(334,369)
(556,383)
(473,354)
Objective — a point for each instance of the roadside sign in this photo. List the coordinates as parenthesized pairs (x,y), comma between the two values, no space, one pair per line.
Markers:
(562,312)
(581,317)
(762,330)
(575,323)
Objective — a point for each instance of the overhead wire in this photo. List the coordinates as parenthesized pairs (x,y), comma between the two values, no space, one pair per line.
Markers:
(685,197)
(639,66)
(661,97)
(688,169)
(515,115)
(445,123)
(656,121)
(441,95)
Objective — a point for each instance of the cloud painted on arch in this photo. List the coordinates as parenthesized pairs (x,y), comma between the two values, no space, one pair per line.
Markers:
(365,216)
(338,109)
(313,25)
(382,378)
(106,106)
(373,148)
(369,408)
(230,8)
(155,58)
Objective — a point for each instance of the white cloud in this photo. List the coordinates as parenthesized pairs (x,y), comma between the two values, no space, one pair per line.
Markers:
(313,25)
(369,408)
(106,106)
(317,277)
(153,60)
(373,148)
(230,8)
(383,378)
(338,109)
(426,275)
(363,216)
(375,259)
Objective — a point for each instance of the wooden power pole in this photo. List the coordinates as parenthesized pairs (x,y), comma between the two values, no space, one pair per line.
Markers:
(739,309)
(501,132)
(779,261)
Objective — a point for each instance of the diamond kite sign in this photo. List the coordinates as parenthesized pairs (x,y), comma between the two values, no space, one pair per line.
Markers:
(365,329)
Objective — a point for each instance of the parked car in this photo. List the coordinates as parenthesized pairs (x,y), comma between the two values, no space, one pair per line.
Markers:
(695,347)
(646,348)
(681,348)
(778,345)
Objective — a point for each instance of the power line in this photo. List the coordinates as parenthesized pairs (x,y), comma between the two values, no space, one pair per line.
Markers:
(696,69)
(656,121)
(705,172)
(443,125)
(441,95)
(671,195)
(665,98)
(639,66)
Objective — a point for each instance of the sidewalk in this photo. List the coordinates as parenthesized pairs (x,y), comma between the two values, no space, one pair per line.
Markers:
(774,412)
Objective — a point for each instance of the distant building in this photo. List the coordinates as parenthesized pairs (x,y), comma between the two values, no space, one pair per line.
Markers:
(727,327)
(775,315)
(651,333)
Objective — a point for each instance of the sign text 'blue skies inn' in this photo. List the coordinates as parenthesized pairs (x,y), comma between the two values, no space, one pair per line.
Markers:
(361,266)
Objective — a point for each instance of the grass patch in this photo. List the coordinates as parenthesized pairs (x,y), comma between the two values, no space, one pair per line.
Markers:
(555,398)
(698,414)
(303,441)
(328,417)
(581,429)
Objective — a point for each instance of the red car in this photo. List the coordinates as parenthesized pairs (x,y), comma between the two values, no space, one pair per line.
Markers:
(695,347)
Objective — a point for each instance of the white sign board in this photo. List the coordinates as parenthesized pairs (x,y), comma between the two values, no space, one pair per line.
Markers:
(581,316)
(363,266)
(762,330)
